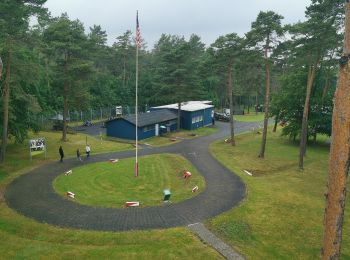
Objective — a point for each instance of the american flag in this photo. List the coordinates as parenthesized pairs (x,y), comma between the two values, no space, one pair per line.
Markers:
(138,32)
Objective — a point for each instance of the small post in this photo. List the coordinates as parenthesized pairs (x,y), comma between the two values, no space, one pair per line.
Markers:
(30,152)
(45,146)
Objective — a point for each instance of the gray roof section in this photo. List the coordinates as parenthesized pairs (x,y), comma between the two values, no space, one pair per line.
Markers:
(152,117)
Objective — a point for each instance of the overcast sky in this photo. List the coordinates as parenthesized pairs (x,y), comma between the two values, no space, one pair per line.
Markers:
(207,18)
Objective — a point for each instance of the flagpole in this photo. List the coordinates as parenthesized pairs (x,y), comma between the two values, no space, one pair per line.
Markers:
(136,97)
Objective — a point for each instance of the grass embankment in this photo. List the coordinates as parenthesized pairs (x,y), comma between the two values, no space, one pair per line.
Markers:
(108,184)
(282,216)
(252,117)
(174,137)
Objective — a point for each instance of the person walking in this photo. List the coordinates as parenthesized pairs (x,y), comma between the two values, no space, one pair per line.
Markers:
(87,149)
(60,150)
(78,155)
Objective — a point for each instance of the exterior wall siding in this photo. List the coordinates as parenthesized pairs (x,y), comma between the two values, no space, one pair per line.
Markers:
(186,118)
(208,120)
(123,129)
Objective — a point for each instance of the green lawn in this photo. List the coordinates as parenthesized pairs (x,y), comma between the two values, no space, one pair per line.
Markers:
(252,117)
(24,238)
(174,137)
(17,156)
(108,184)
(282,216)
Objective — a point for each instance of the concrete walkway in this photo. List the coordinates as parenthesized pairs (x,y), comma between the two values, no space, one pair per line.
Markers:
(33,196)
(209,238)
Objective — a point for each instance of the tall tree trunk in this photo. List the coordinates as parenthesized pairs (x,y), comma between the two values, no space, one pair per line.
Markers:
(47,73)
(65,102)
(1,66)
(339,158)
(178,115)
(304,126)
(275,125)
(65,112)
(256,103)
(325,90)
(124,72)
(229,94)
(5,102)
(248,105)
(267,101)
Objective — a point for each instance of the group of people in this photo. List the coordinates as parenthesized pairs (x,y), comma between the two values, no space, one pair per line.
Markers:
(87,150)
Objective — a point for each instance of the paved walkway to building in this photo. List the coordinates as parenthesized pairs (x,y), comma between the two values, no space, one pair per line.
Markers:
(33,196)
(209,238)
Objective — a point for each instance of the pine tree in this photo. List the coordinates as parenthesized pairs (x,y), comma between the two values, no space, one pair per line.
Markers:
(339,158)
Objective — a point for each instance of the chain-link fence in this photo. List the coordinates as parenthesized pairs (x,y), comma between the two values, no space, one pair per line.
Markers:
(78,117)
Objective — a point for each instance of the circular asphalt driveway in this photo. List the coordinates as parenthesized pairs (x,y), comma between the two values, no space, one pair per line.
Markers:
(33,196)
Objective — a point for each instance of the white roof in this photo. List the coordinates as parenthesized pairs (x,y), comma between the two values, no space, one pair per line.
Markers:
(189,106)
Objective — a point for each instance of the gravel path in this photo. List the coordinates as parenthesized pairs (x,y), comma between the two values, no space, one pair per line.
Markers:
(33,196)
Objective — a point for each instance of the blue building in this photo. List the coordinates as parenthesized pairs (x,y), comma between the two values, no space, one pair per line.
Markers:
(150,124)
(194,114)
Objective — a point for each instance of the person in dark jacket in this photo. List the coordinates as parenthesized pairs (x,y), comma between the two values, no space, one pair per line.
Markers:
(60,150)
(78,155)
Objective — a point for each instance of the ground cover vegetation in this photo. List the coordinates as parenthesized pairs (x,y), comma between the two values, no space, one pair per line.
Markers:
(110,185)
(252,117)
(179,136)
(282,216)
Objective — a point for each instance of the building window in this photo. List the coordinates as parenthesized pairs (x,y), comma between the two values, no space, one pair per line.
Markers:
(197,119)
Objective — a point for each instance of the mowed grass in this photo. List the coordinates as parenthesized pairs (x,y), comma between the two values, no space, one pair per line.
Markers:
(252,117)
(174,137)
(108,184)
(282,216)
(24,238)
(18,158)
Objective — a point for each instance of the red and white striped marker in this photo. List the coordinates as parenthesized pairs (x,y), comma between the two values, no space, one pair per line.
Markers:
(70,194)
(249,173)
(195,188)
(132,204)
(187,174)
